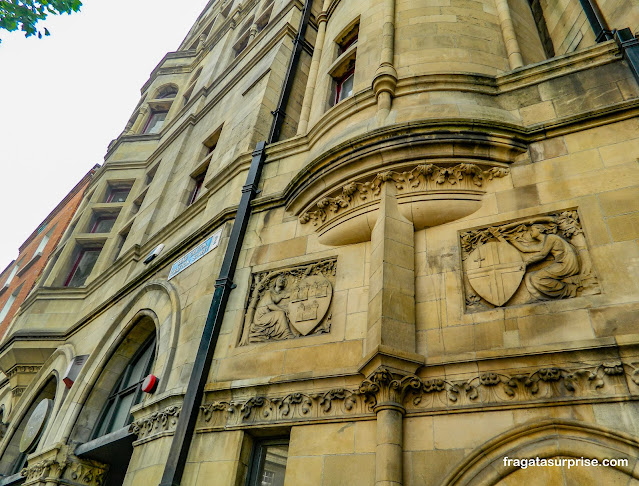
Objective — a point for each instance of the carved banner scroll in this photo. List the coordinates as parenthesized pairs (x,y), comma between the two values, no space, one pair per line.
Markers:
(541,258)
(289,303)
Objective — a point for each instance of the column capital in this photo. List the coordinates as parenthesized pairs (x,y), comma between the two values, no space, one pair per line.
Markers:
(386,390)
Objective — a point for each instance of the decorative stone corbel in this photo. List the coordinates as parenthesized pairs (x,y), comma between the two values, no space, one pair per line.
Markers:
(58,466)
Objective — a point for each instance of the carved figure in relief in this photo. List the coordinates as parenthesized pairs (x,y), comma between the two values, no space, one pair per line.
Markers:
(552,280)
(289,303)
(271,318)
(547,252)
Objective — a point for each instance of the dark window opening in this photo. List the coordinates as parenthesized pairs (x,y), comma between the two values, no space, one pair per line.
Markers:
(197,188)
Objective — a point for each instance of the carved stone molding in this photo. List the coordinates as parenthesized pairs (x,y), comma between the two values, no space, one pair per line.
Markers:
(23,369)
(424,177)
(72,471)
(540,258)
(549,383)
(18,391)
(338,402)
(163,421)
(289,303)
(414,395)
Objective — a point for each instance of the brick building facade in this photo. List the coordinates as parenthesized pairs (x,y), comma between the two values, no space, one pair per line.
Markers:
(19,277)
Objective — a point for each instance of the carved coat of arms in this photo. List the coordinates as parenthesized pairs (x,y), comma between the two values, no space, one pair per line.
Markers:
(289,303)
(495,271)
(547,252)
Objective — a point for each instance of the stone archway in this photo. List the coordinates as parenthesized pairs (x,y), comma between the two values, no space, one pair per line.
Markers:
(549,439)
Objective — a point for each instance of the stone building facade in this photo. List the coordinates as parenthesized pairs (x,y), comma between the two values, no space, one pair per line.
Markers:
(430,267)
(19,277)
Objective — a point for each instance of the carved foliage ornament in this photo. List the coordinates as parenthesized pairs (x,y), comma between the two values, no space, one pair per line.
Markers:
(424,177)
(156,423)
(86,473)
(548,253)
(289,303)
(416,394)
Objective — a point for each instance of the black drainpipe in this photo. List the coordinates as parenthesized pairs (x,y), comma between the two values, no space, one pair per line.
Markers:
(183,436)
(629,44)
(626,41)
(597,20)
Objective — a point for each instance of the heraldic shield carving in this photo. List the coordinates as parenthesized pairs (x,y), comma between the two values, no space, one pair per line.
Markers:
(289,303)
(541,258)
(495,271)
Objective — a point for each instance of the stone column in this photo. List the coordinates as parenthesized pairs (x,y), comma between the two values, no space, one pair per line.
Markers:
(508,31)
(387,391)
(144,110)
(385,79)
(307,104)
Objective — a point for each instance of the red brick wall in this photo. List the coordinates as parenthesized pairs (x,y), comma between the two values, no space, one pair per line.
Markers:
(60,219)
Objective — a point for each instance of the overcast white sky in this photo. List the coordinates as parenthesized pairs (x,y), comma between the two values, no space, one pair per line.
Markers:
(63,98)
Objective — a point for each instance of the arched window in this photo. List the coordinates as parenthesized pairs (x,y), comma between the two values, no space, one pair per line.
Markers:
(167,92)
(127,391)
(27,435)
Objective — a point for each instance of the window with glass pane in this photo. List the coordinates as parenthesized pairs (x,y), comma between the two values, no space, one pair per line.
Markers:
(82,267)
(117,194)
(103,223)
(154,125)
(127,391)
(268,464)
(344,87)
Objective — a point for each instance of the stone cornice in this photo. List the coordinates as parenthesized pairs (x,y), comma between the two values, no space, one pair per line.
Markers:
(604,381)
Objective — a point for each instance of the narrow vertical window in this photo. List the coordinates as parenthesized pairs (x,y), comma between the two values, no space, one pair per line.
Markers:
(197,188)
(9,303)
(343,70)
(344,86)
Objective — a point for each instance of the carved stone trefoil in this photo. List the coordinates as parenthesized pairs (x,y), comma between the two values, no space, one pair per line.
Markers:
(289,303)
(541,258)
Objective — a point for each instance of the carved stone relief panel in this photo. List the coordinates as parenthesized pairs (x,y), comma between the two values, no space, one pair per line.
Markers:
(537,259)
(289,303)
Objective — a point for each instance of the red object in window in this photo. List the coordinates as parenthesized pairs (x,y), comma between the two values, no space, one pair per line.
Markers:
(199,180)
(344,87)
(149,384)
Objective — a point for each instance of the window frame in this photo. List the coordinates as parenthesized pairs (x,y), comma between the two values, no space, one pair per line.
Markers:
(113,190)
(99,218)
(197,189)
(153,113)
(76,263)
(258,457)
(339,85)
(108,412)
